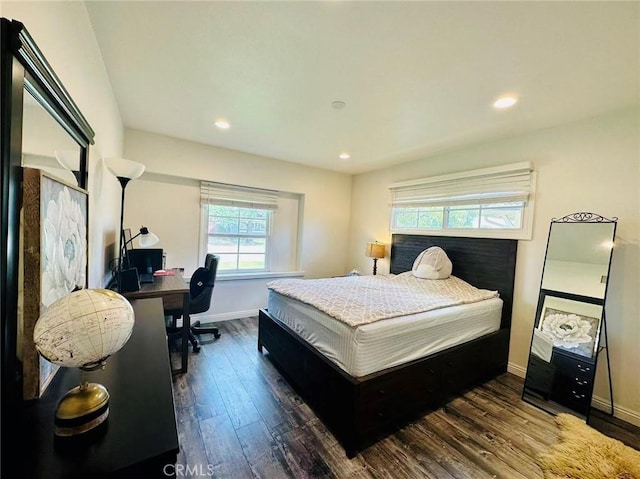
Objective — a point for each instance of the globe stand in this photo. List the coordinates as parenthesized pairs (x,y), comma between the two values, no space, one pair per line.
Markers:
(82,409)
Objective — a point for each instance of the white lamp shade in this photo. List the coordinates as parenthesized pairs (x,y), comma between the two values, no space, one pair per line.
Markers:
(148,240)
(68,159)
(122,168)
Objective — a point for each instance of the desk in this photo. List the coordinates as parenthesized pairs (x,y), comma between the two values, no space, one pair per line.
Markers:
(173,290)
(139,437)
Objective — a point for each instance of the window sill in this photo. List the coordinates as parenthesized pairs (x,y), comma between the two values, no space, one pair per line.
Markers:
(262,275)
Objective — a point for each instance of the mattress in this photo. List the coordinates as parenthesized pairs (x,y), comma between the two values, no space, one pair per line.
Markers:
(390,342)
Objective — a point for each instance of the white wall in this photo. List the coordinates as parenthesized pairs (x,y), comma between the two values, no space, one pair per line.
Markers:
(324,234)
(585,166)
(65,35)
(584,279)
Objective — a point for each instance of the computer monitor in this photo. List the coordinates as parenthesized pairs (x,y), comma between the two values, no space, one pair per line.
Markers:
(145,260)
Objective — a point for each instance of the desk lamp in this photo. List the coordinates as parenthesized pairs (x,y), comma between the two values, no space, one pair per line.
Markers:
(147,240)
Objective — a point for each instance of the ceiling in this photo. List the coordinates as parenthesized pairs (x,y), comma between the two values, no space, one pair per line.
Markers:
(418,78)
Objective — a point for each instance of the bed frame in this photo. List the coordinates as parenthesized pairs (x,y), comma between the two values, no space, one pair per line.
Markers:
(360,410)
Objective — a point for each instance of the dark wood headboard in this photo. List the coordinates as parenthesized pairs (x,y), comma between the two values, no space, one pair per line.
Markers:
(482,262)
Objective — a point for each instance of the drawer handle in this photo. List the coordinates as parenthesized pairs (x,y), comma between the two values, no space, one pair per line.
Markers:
(581,383)
(380,414)
(583,368)
(382,392)
(578,396)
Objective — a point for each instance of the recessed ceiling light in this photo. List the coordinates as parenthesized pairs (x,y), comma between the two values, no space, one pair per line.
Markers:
(506,101)
(338,105)
(222,124)
(345,156)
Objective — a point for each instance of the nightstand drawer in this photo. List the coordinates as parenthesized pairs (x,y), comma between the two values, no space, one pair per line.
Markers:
(573,368)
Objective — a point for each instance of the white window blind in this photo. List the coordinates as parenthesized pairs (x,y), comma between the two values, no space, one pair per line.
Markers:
(231,195)
(510,183)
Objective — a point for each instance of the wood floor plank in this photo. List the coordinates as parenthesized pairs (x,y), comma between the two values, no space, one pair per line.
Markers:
(244,335)
(182,394)
(262,452)
(275,414)
(303,461)
(224,452)
(385,462)
(333,454)
(192,450)
(426,442)
(238,404)
(472,445)
(534,417)
(206,397)
(512,418)
(503,443)
(219,363)
(506,423)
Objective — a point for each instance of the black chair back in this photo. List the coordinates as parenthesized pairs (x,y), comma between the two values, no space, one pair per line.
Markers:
(201,285)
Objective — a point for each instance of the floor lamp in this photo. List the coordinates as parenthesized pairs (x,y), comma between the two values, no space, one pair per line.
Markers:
(125,171)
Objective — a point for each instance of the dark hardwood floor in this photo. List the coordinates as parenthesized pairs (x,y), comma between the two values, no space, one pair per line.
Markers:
(238,418)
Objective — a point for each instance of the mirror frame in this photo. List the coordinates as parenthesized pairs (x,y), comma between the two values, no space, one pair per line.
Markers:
(582,218)
(23,66)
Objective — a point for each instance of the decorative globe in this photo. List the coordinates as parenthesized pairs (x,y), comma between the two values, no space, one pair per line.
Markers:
(84,328)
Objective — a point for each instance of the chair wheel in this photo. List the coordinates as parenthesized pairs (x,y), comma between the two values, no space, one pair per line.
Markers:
(216,335)
(196,349)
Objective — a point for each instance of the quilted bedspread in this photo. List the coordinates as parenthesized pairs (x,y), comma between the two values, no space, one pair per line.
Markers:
(358,300)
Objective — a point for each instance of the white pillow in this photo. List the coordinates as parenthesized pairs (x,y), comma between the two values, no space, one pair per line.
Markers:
(432,263)
(426,271)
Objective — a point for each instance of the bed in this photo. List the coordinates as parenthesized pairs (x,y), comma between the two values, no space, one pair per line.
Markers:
(360,409)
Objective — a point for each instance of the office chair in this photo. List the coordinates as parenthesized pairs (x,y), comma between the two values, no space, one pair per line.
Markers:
(200,292)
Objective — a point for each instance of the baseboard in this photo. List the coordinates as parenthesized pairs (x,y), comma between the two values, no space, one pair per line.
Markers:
(212,318)
(517,370)
(627,415)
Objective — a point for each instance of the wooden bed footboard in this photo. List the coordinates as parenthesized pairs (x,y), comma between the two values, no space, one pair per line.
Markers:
(358,411)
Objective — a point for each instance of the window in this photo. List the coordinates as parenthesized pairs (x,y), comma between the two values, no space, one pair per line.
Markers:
(251,230)
(492,202)
(239,236)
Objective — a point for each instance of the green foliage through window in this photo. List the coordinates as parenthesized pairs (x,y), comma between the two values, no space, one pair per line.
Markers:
(239,236)
(484,216)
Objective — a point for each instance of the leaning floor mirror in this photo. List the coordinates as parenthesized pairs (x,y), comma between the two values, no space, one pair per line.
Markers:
(570,326)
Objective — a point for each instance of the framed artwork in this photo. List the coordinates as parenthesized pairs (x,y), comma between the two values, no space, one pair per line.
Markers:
(55,228)
(571,325)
